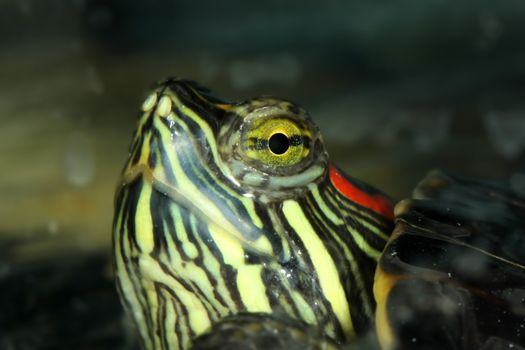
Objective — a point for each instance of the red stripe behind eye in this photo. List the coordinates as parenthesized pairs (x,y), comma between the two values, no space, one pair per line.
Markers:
(376,202)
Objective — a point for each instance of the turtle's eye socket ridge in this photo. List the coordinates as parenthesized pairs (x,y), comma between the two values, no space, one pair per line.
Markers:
(277,141)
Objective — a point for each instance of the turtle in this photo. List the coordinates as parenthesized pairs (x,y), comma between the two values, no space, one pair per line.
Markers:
(234,230)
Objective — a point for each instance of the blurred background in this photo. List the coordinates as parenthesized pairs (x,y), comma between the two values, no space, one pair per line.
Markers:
(397,88)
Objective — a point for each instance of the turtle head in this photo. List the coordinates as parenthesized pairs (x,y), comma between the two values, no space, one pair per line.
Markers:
(261,147)
(222,161)
(227,208)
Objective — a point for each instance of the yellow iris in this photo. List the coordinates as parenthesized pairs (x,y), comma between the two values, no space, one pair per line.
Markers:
(276,141)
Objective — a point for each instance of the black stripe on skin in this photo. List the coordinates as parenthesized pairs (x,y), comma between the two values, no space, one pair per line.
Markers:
(275,290)
(136,149)
(168,170)
(178,331)
(119,233)
(167,209)
(142,297)
(228,274)
(199,259)
(304,267)
(203,233)
(373,239)
(253,258)
(152,156)
(275,239)
(206,240)
(328,232)
(158,203)
(365,264)
(331,194)
(188,97)
(141,133)
(118,230)
(352,216)
(215,193)
(161,316)
(371,216)
(194,289)
(183,314)
(134,191)
(203,146)
(124,239)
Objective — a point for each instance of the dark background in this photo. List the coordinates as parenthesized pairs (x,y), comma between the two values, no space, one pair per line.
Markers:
(397,87)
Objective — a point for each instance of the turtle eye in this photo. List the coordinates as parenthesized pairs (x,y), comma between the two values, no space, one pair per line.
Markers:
(277,141)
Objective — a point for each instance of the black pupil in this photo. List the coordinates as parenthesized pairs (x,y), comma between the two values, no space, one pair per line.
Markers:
(279,143)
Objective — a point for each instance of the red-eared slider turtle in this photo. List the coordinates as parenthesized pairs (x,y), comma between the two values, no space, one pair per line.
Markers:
(233,230)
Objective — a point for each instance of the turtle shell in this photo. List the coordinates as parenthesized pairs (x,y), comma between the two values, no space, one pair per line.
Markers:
(453,273)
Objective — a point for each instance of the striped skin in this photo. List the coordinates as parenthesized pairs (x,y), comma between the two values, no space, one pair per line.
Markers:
(203,231)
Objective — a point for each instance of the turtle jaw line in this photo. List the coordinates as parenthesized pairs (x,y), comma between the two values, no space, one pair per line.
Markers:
(164,187)
(182,199)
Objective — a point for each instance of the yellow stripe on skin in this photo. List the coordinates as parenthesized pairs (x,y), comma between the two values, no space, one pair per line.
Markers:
(252,289)
(323,264)
(151,271)
(153,307)
(249,205)
(184,329)
(230,247)
(199,200)
(124,279)
(336,220)
(144,231)
(204,127)
(195,274)
(249,281)
(262,244)
(213,266)
(188,247)
(170,320)
(144,151)
(365,223)
(359,241)
(374,229)
(247,202)
(159,174)
(305,309)
(363,244)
